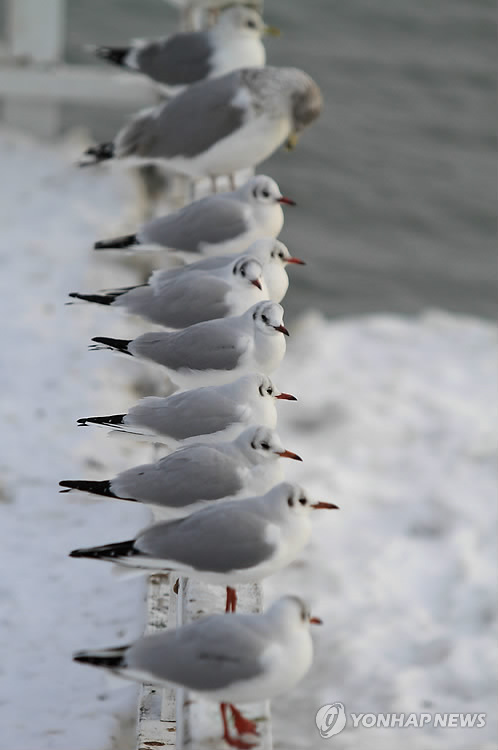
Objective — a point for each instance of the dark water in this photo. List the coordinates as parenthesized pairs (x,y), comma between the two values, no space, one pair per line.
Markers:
(396,182)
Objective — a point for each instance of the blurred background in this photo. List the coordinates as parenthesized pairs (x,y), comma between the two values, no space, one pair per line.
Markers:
(392,356)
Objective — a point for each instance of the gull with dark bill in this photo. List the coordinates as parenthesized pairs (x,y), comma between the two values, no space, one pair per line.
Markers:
(231,543)
(209,414)
(228,659)
(215,225)
(187,57)
(198,474)
(220,126)
(214,352)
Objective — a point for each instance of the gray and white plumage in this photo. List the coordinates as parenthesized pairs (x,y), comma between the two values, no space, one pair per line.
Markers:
(185,58)
(220,126)
(181,300)
(215,225)
(214,352)
(240,541)
(198,474)
(242,658)
(208,414)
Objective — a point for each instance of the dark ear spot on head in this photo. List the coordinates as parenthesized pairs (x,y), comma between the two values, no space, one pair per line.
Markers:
(290,502)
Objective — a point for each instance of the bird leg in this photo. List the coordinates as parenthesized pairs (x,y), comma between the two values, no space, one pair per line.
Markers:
(231,603)
(232,741)
(243,725)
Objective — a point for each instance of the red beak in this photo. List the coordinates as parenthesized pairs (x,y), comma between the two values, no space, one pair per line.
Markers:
(289,454)
(257,283)
(325,506)
(316,621)
(298,261)
(287,201)
(286,396)
(282,329)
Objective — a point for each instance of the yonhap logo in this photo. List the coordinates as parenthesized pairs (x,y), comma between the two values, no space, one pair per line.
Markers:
(330,719)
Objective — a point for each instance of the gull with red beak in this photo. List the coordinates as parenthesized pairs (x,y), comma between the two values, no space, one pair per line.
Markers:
(198,475)
(230,543)
(183,299)
(209,414)
(225,658)
(214,352)
(216,225)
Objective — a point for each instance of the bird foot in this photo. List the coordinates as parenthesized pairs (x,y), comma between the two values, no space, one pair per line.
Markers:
(243,725)
(237,742)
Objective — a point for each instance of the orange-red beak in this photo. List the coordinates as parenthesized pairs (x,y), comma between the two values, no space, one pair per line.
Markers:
(286,396)
(298,261)
(324,506)
(289,454)
(316,621)
(287,201)
(282,329)
(257,283)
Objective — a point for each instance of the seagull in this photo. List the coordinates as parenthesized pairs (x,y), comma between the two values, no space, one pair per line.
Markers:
(272,254)
(185,58)
(225,658)
(181,300)
(220,126)
(213,352)
(189,478)
(208,414)
(215,225)
(235,542)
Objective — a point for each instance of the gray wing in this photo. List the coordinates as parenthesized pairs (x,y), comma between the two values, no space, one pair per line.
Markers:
(222,539)
(213,345)
(181,303)
(187,476)
(179,60)
(194,120)
(206,655)
(186,415)
(210,220)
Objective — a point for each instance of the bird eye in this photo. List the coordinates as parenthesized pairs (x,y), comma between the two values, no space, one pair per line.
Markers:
(281,255)
(265,194)
(265,446)
(290,502)
(269,391)
(242,271)
(302,500)
(264,319)
(251,25)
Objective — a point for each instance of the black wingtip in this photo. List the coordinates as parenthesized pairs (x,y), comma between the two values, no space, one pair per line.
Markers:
(119,345)
(95,488)
(116,55)
(117,243)
(96,154)
(106,551)
(99,299)
(112,658)
(110,420)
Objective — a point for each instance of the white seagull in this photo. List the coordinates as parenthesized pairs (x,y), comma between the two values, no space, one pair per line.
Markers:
(209,414)
(220,126)
(229,658)
(181,300)
(215,225)
(184,58)
(214,352)
(235,542)
(198,474)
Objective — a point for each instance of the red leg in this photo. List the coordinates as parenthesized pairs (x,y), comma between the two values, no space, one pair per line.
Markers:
(231,603)
(243,725)
(232,741)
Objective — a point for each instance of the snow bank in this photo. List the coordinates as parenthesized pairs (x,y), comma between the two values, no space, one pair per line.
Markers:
(395,421)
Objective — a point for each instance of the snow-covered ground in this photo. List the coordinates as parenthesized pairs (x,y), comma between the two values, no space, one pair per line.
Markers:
(396,423)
